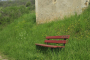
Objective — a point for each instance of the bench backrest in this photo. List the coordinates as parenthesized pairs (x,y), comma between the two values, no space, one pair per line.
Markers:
(57,37)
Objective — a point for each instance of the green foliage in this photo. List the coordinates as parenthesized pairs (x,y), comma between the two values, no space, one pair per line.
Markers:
(18,39)
(28,4)
(8,14)
(16,3)
(1,8)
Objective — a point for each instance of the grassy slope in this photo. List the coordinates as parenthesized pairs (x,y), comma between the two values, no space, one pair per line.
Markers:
(18,39)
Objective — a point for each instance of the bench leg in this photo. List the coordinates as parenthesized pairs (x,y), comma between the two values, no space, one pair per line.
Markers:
(52,49)
(64,44)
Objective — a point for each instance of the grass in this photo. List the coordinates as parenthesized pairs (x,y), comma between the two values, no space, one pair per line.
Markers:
(18,39)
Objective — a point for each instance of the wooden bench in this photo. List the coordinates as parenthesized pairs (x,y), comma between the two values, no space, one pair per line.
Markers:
(55,41)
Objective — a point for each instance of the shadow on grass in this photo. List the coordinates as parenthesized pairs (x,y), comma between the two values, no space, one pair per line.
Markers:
(46,50)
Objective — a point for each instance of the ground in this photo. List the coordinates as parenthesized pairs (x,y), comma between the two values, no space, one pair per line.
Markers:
(2,58)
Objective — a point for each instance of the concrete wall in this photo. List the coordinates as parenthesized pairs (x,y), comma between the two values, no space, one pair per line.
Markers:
(49,10)
(85,3)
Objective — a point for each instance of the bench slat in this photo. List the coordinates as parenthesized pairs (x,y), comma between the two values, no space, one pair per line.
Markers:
(51,46)
(55,41)
(58,37)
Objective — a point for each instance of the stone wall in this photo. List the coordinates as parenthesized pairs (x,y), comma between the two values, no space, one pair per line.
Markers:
(49,10)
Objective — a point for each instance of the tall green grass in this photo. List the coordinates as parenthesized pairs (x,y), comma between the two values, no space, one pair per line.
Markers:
(18,39)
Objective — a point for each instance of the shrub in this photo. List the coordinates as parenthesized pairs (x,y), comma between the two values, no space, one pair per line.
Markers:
(28,4)
(9,14)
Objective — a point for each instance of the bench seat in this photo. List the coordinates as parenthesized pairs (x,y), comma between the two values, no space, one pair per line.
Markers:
(51,46)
